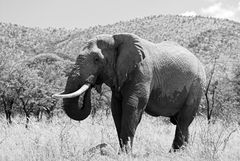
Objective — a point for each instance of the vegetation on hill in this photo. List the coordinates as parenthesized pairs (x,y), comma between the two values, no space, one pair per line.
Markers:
(34,62)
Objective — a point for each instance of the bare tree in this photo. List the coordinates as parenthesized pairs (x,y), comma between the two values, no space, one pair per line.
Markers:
(209,106)
(7,105)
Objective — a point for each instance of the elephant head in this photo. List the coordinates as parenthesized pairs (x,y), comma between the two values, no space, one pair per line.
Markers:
(105,59)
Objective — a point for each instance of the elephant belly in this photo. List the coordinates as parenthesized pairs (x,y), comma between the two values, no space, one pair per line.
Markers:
(163,105)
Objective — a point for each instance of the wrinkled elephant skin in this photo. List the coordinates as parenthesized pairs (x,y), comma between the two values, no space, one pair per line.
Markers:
(162,79)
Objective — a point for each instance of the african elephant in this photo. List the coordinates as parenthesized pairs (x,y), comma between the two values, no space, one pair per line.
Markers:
(162,79)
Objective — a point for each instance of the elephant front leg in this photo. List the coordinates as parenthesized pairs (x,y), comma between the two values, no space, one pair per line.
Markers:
(116,108)
(132,110)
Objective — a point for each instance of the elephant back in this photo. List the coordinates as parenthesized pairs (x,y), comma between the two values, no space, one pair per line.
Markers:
(176,68)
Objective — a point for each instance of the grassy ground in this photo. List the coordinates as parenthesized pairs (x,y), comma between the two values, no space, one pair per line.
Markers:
(64,139)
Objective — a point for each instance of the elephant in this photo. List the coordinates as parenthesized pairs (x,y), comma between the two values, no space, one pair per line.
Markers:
(163,79)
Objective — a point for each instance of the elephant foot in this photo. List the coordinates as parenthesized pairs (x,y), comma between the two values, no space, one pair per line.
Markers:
(126,147)
(172,150)
(125,150)
(178,148)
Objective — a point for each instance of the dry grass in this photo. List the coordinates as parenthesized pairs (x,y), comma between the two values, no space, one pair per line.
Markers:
(63,139)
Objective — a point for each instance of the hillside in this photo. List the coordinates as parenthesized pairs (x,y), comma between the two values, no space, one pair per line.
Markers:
(50,52)
(184,30)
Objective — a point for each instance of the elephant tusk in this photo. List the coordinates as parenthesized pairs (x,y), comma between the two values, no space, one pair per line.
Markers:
(74,94)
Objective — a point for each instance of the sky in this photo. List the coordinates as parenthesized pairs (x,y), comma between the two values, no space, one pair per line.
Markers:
(86,13)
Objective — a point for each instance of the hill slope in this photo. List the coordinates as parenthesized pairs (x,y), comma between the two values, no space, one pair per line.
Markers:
(184,30)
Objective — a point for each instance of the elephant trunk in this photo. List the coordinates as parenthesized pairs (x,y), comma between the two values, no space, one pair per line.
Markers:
(73,109)
(71,103)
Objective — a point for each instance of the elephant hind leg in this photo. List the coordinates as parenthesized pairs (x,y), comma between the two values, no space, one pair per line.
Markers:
(181,137)
(185,117)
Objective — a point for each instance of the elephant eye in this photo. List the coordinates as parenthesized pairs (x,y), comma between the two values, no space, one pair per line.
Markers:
(96,59)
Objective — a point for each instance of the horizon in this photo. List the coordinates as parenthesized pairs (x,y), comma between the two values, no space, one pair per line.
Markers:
(82,14)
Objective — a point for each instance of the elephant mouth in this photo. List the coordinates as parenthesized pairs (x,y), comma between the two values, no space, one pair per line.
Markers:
(98,84)
(90,82)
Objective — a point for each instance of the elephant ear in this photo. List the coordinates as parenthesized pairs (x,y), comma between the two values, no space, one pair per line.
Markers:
(129,54)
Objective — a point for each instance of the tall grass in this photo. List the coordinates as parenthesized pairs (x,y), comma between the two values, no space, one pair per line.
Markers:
(65,139)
